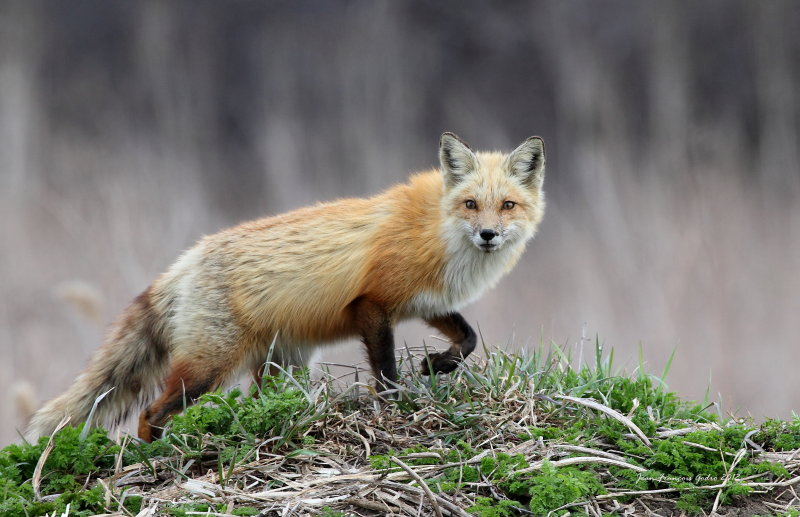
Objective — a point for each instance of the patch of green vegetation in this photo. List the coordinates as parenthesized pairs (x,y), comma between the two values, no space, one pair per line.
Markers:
(776,435)
(20,502)
(224,425)
(696,459)
(488,507)
(384,461)
(133,504)
(700,458)
(573,432)
(328,512)
(557,487)
(231,414)
(184,510)
(72,462)
(541,491)
(503,468)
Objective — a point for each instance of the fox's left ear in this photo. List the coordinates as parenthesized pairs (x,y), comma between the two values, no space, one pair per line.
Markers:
(527,162)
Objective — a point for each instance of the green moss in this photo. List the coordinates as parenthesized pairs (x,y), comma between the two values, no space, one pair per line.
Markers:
(487,507)
(328,512)
(573,433)
(686,461)
(71,461)
(183,510)
(550,488)
(133,504)
(246,511)
(779,436)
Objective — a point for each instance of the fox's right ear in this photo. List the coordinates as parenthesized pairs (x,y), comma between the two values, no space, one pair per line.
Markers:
(456,159)
(527,162)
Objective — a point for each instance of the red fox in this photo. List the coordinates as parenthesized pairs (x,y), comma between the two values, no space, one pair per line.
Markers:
(294,282)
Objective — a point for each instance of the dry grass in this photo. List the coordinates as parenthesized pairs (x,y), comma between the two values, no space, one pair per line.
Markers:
(340,478)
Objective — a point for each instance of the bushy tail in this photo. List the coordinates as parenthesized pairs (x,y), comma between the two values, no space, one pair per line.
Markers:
(131,363)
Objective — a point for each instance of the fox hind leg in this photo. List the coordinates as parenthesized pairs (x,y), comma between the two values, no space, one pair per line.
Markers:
(181,388)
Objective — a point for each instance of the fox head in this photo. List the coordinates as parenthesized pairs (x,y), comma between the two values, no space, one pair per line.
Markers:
(492,201)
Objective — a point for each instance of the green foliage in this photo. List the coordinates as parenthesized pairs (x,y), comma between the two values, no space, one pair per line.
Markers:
(384,461)
(699,458)
(573,433)
(779,436)
(133,504)
(646,403)
(460,451)
(74,462)
(68,465)
(328,512)
(82,502)
(487,507)
(542,491)
(695,459)
(553,487)
(213,414)
(183,510)
(502,466)
(381,461)
(272,413)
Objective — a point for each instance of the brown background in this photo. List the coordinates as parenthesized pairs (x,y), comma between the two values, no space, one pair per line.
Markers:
(128,130)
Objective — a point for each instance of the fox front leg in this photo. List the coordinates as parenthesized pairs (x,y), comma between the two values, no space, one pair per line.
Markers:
(375,326)
(463,340)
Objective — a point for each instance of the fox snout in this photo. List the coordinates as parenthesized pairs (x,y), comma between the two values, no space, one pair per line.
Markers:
(488,235)
(487,239)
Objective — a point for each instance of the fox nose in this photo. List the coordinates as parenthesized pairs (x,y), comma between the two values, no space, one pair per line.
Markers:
(488,235)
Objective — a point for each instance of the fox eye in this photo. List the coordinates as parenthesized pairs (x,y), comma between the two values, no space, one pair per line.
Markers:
(508,205)
(471,204)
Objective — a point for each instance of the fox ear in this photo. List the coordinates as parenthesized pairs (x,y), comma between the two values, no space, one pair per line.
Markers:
(456,158)
(527,162)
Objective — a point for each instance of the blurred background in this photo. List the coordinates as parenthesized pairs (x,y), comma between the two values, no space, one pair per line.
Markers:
(130,129)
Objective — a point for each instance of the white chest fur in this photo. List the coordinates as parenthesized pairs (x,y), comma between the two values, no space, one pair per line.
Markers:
(469,273)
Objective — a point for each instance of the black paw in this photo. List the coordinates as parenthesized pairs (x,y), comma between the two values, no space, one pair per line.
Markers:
(439,363)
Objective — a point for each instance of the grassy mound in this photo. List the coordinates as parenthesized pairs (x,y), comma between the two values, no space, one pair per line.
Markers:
(522,434)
